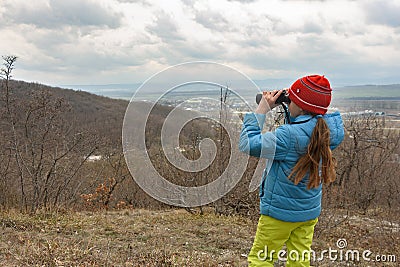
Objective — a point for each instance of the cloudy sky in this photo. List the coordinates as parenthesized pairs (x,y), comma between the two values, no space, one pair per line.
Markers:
(62,42)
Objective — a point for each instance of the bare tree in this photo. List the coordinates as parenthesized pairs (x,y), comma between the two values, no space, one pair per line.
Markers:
(366,168)
(12,140)
(42,149)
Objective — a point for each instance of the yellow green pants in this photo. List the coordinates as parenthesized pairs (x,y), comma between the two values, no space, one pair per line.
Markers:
(272,234)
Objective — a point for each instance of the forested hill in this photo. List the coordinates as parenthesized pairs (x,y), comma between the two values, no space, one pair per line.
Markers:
(99,115)
(82,111)
(80,101)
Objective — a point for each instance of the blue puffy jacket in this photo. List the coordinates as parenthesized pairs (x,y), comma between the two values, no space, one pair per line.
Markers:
(280,198)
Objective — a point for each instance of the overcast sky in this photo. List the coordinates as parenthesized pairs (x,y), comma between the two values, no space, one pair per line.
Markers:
(62,42)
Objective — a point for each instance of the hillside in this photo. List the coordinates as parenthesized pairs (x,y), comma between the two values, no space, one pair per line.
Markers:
(54,138)
(100,115)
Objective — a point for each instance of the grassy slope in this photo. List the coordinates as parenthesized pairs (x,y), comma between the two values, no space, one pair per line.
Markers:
(161,238)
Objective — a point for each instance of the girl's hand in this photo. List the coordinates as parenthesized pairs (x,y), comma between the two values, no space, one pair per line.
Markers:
(268,101)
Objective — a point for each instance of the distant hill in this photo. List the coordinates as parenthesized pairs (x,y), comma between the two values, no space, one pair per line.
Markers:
(362,92)
(126,91)
(119,91)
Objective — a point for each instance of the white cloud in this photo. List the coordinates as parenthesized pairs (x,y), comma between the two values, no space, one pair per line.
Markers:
(383,12)
(165,28)
(58,13)
(117,41)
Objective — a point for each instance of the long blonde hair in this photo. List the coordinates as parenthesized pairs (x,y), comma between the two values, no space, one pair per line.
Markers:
(318,151)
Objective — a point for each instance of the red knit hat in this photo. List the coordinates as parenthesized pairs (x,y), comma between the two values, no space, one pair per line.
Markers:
(311,93)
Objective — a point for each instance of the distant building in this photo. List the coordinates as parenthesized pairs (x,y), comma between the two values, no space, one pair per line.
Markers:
(94,158)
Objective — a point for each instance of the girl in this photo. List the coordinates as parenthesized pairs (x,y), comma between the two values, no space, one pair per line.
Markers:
(290,193)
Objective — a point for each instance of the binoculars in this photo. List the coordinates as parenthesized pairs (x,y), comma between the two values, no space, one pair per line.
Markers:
(283,98)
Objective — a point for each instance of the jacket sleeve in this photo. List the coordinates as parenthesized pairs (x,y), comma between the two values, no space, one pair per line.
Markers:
(336,131)
(271,145)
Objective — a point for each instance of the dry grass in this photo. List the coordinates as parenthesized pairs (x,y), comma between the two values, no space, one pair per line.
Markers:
(124,238)
(150,238)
